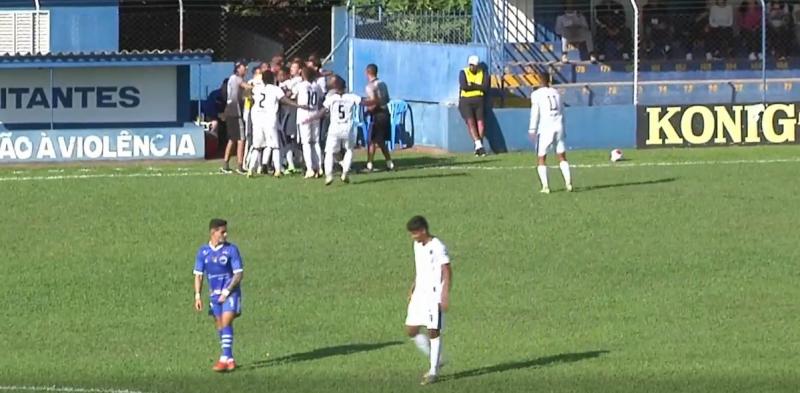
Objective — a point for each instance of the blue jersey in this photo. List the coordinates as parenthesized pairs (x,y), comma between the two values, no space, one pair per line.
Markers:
(219,265)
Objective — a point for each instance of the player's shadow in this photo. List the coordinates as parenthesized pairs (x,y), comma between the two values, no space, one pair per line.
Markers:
(422,162)
(414,177)
(627,184)
(319,353)
(530,363)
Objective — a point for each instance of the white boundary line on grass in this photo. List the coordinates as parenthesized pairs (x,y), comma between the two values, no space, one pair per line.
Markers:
(184,172)
(63,389)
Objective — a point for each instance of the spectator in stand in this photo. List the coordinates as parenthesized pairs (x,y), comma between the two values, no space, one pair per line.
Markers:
(688,20)
(750,27)
(796,20)
(614,38)
(720,30)
(574,30)
(656,19)
(276,64)
(779,28)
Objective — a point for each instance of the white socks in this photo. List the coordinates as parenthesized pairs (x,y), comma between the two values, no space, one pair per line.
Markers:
(290,158)
(478,144)
(436,349)
(565,172)
(423,344)
(318,155)
(329,163)
(311,157)
(347,161)
(543,175)
(255,159)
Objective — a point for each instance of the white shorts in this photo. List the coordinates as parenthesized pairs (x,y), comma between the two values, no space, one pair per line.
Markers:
(423,311)
(338,140)
(549,140)
(309,133)
(265,136)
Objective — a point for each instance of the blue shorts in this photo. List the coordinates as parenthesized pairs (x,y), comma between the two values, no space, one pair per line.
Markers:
(232,304)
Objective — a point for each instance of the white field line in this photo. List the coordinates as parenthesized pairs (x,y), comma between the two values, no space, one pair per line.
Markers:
(183,172)
(62,389)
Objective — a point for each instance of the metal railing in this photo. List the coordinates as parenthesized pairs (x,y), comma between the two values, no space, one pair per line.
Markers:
(442,27)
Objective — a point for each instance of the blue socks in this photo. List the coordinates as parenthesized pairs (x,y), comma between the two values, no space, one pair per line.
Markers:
(226,340)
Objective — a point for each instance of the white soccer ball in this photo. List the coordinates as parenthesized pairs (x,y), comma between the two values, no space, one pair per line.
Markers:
(616,155)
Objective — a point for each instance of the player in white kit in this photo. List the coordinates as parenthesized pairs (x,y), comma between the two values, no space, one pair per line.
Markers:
(342,107)
(547,130)
(267,98)
(429,296)
(308,93)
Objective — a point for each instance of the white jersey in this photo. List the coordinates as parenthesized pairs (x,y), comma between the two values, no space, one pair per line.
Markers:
(428,260)
(322,82)
(266,102)
(342,109)
(289,84)
(547,112)
(307,94)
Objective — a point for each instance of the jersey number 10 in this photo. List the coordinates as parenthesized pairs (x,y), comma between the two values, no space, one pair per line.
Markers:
(312,99)
(553,103)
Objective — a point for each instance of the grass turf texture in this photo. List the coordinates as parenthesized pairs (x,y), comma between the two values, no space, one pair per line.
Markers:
(649,278)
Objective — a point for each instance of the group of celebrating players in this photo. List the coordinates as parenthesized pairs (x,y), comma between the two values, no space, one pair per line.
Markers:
(283,111)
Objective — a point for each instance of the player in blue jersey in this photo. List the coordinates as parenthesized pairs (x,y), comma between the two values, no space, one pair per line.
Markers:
(221,263)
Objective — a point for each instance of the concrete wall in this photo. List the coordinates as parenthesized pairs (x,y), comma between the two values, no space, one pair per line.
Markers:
(414,71)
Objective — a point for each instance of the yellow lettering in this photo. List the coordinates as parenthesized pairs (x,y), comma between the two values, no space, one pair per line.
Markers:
(707,130)
(782,65)
(547,47)
(680,67)
(605,68)
(612,90)
(732,125)
(786,124)
(731,66)
(753,114)
(629,68)
(657,123)
(705,66)
(688,88)
(655,67)
(756,65)
(663,89)
(787,86)
(712,88)
(738,87)
(580,69)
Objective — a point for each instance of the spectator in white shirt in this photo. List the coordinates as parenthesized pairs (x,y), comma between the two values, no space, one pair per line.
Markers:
(720,30)
(574,30)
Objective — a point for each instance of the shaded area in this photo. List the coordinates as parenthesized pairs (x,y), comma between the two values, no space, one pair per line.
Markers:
(415,177)
(627,184)
(319,353)
(531,363)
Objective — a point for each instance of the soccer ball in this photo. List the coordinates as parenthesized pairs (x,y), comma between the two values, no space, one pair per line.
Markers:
(616,155)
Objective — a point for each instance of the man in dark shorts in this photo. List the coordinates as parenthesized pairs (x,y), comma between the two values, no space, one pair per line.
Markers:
(234,123)
(474,83)
(380,128)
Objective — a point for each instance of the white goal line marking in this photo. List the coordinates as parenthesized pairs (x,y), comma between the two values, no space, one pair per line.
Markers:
(184,172)
(63,389)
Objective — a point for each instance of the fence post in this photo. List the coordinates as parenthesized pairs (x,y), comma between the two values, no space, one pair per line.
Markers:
(351,28)
(180,25)
(763,51)
(636,52)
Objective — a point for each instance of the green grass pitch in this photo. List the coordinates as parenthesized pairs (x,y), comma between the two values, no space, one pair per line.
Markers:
(675,271)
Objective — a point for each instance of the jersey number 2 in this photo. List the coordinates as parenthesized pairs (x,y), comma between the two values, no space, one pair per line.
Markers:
(261,101)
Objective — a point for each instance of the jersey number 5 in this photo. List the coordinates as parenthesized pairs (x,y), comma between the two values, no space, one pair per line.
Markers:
(342,115)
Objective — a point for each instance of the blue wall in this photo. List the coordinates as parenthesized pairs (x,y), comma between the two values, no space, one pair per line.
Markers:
(340,60)
(414,71)
(78,25)
(607,127)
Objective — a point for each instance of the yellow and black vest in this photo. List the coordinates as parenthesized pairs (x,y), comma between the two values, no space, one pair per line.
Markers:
(476,78)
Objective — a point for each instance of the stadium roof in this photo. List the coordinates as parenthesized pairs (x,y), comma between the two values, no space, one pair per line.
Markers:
(106,59)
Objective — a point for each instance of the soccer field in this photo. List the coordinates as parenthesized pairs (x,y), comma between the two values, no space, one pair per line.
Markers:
(674,271)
